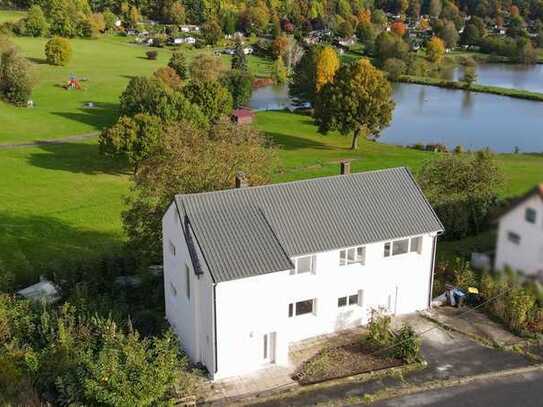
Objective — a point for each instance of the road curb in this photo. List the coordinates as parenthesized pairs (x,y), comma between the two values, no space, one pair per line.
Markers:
(442,384)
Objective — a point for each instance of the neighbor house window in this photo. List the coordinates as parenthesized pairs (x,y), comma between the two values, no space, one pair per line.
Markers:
(172,247)
(513,237)
(530,215)
(352,255)
(187,277)
(304,264)
(416,244)
(302,307)
(348,300)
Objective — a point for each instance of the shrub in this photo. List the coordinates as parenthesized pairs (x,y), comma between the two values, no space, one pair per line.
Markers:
(379,333)
(406,345)
(35,24)
(152,55)
(178,64)
(395,68)
(58,51)
(168,77)
(16,77)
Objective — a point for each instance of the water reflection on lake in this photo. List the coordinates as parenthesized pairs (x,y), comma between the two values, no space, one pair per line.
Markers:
(427,114)
(526,77)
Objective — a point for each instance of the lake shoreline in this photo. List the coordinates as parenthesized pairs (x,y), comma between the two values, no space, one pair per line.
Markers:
(474,87)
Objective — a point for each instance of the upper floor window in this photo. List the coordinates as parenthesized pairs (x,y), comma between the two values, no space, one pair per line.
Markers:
(352,255)
(304,264)
(416,244)
(530,215)
(402,246)
(302,307)
(513,237)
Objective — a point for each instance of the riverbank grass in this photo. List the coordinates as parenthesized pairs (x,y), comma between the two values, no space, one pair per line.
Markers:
(474,87)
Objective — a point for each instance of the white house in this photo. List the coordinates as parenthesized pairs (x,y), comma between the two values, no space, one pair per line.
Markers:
(247,271)
(520,235)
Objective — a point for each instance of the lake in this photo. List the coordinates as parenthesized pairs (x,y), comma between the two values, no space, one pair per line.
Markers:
(428,114)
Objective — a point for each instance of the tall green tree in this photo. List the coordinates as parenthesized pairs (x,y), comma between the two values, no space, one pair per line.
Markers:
(358,101)
(239,59)
(213,99)
(240,86)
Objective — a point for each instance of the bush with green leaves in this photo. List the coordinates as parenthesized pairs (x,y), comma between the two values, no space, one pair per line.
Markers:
(406,345)
(16,77)
(240,86)
(179,64)
(403,344)
(213,99)
(82,359)
(35,24)
(152,55)
(58,51)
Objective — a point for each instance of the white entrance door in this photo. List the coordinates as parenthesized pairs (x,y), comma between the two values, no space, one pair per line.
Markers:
(268,347)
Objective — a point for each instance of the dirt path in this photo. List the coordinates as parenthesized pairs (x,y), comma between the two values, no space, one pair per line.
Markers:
(62,140)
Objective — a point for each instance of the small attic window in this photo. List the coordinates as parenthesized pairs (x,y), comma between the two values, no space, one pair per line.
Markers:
(530,215)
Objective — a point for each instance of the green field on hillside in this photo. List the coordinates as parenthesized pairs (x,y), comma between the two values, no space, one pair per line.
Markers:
(11,15)
(63,202)
(104,66)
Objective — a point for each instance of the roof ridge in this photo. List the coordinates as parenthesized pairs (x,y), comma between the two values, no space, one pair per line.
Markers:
(299,181)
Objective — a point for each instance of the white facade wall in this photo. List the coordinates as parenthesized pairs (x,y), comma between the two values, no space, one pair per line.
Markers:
(249,308)
(527,255)
(190,318)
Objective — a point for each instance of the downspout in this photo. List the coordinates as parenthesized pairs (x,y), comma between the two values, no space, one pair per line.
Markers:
(215,353)
(432,266)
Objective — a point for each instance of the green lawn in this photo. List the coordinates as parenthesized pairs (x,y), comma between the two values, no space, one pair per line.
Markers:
(107,64)
(11,15)
(61,202)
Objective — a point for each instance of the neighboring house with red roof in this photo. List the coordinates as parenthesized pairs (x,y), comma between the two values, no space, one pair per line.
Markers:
(243,115)
(520,235)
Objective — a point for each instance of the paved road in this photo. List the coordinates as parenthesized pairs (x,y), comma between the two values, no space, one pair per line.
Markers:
(525,390)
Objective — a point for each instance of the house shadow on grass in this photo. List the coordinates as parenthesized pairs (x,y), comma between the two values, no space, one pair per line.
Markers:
(99,116)
(84,158)
(35,244)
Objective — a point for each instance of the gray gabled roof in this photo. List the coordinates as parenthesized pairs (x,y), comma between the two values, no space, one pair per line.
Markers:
(251,231)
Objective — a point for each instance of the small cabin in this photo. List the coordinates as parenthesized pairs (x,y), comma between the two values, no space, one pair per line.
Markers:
(243,115)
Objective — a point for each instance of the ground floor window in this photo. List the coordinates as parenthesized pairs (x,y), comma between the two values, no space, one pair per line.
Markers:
(302,307)
(349,300)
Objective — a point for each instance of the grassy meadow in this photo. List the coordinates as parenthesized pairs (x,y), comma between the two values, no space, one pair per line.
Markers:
(63,202)
(104,67)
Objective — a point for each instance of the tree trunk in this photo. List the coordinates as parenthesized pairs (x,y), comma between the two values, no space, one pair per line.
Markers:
(356,137)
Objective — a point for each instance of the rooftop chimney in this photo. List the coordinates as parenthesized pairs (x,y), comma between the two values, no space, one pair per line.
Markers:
(241,180)
(345,167)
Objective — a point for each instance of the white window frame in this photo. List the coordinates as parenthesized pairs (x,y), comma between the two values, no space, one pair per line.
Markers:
(359,300)
(388,246)
(292,308)
(311,270)
(357,258)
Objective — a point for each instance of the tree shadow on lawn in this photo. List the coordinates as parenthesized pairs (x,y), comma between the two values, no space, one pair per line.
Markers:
(290,142)
(37,61)
(36,244)
(83,158)
(99,116)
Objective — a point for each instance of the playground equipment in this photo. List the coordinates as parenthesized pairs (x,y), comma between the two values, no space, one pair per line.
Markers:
(73,83)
